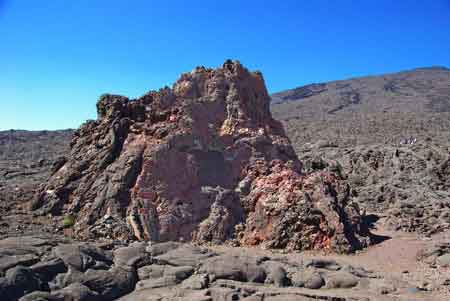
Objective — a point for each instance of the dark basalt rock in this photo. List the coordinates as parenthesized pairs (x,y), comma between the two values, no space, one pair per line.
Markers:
(185,272)
(202,161)
(17,282)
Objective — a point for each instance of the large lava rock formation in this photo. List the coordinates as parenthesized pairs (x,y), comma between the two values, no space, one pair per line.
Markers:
(203,161)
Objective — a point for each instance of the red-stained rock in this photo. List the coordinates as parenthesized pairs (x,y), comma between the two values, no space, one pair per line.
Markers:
(202,161)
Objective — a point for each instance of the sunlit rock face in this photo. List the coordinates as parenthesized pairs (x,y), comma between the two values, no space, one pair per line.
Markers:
(202,161)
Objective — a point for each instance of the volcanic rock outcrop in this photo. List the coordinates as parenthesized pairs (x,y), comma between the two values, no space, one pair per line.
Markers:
(202,161)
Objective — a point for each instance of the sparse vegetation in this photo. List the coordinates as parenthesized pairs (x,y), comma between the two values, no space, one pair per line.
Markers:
(68,221)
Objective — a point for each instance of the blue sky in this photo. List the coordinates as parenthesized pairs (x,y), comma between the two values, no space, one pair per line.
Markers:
(57,57)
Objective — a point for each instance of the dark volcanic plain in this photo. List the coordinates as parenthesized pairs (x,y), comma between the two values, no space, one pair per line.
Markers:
(385,136)
(389,135)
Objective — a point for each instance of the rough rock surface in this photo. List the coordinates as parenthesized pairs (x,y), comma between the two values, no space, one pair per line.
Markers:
(27,158)
(388,135)
(104,271)
(409,184)
(203,161)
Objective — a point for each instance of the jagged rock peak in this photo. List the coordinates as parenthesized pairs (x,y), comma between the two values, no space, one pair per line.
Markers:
(230,83)
(202,161)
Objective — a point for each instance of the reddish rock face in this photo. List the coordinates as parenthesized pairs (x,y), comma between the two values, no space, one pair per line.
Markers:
(203,161)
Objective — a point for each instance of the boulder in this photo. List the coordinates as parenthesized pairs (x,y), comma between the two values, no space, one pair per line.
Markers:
(314,281)
(81,256)
(233,267)
(110,284)
(203,161)
(309,279)
(341,280)
(132,255)
(276,274)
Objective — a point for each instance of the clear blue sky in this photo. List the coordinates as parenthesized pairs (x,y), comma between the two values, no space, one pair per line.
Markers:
(57,57)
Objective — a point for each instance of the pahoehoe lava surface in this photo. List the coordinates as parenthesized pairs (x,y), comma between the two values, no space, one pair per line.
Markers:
(202,161)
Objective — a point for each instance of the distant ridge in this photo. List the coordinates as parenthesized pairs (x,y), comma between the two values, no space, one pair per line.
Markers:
(305,91)
(371,109)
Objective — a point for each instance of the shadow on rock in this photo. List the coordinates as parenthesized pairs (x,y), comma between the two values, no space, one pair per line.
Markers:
(370,221)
